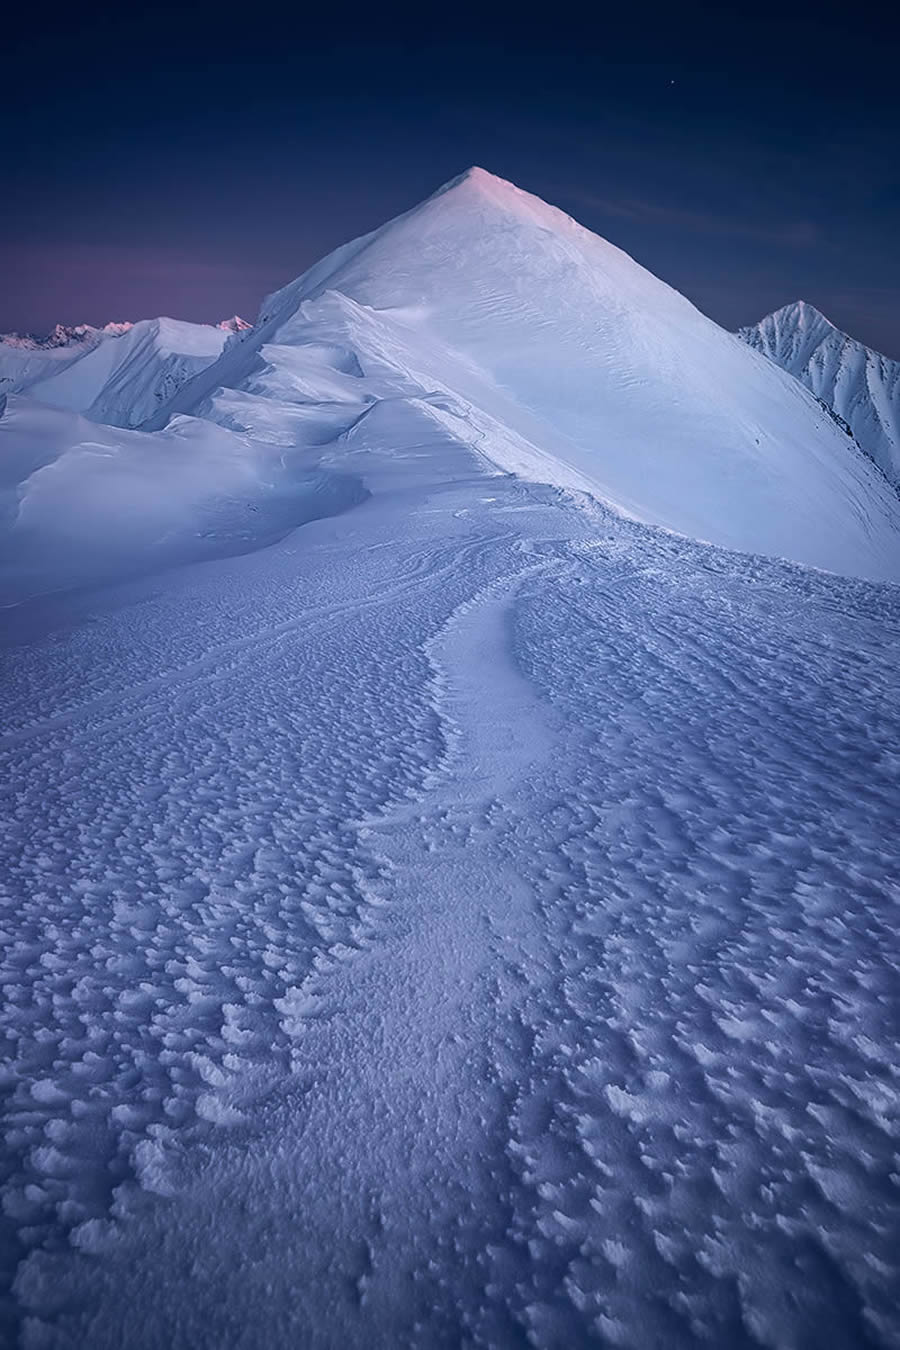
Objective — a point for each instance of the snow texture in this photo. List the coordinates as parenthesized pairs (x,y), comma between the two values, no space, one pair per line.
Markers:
(577,366)
(469,920)
(860,385)
(26,360)
(119,382)
(81,503)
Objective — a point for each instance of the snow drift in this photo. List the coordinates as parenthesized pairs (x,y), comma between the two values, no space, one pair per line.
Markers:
(471,920)
(82,504)
(123,382)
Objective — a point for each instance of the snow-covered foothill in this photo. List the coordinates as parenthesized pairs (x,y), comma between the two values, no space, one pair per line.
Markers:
(120,383)
(857,383)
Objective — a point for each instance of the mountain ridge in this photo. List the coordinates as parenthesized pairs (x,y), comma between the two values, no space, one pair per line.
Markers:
(117,374)
(599,375)
(859,384)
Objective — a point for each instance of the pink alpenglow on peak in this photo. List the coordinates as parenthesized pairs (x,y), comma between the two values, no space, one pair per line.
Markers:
(569,363)
(234,325)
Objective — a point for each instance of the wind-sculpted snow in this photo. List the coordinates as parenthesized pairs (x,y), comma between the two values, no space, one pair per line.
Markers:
(606,379)
(712,1112)
(860,385)
(470,921)
(81,504)
(123,381)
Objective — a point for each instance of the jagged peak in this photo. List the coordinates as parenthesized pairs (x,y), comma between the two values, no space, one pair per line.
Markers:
(799,316)
(235,324)
(65,335)
(801,312)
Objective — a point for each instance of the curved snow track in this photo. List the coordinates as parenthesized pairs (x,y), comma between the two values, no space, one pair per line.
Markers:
(481,935)
(471,920)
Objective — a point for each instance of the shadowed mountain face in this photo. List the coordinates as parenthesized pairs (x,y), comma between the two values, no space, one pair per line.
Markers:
(860,385)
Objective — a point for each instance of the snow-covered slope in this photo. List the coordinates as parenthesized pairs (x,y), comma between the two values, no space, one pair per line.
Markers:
(82,504)
(468,922)
(125,381)
(26,359)
(564,360)
(859,384)
(471,918)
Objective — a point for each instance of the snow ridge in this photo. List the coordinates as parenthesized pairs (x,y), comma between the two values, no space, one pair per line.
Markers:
(124,381)
(593,374)
(63,335)
(120,382)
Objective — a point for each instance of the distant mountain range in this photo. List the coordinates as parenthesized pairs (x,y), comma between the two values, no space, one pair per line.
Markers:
(119,374)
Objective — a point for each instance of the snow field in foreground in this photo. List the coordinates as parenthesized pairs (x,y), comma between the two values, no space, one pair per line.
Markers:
(470,920)
(490,936)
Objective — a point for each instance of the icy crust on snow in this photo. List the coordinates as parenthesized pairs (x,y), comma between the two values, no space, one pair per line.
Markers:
(559,872)
(82,504)
(860,385)
(182,870)
(615,383)
(712,1110)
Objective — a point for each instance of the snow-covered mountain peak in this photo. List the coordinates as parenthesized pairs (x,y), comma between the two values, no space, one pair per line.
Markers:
(478,185)
(63,335)
(234,325)
(799,319)
(568,362)
(475,231)
(858,384)
(801,312)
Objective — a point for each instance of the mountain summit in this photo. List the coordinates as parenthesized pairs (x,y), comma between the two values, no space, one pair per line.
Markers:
(859,384)
(568,362)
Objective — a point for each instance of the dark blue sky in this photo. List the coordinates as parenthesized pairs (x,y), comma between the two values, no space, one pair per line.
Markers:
(186,163)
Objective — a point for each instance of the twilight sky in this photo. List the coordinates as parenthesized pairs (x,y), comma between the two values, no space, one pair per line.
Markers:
(186,161)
